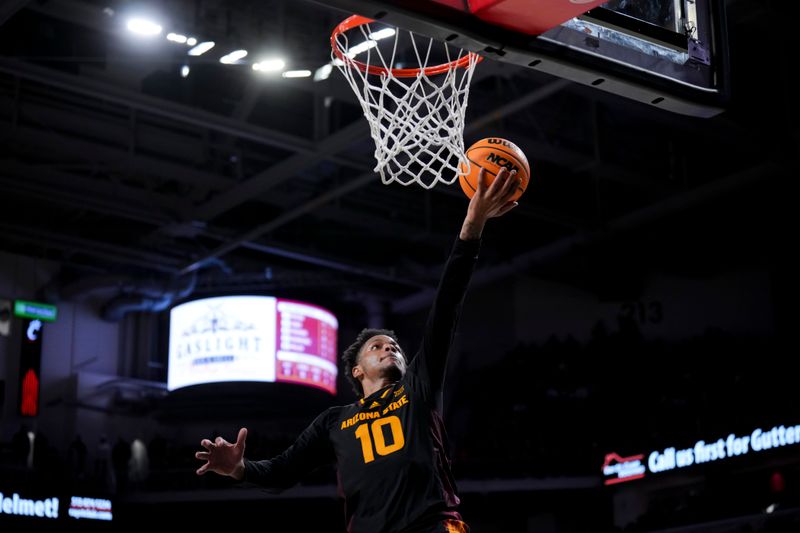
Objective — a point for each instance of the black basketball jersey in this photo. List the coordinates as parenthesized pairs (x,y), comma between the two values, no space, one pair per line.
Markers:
(390,448)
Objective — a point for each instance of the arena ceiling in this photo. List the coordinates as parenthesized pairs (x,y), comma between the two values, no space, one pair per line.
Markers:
(111,161)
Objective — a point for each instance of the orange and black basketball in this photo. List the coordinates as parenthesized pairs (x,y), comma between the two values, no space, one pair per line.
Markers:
(492,154)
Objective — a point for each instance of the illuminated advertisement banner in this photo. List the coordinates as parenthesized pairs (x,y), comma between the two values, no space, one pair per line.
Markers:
(306,346)
(17,505)
(617,469)
(90,508)
(12,504)
(252,338)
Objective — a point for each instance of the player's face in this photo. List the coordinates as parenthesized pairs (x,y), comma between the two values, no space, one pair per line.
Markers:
(381,356)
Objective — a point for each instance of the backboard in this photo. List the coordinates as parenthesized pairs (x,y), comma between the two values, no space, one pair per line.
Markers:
(668,54)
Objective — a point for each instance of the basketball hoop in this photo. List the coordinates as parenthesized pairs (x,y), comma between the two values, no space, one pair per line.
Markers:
(416,115)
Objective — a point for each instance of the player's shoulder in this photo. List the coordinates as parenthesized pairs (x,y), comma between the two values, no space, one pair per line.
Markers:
(329,415)
(334,411)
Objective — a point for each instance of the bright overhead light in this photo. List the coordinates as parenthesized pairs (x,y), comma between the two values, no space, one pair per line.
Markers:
(191,41)
(323,72)
(297,74)
(361,47)
(144,27)
(176,38)
(337,62)
(382,34)
(201,48)
(185,71)
(269,65)
(233,57)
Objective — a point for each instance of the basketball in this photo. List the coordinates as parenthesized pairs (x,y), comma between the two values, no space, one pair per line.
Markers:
(492,154)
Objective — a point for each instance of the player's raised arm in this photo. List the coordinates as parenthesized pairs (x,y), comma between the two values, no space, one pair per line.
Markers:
(489,201)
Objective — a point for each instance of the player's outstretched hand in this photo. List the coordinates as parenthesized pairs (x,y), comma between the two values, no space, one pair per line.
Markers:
(489,201)
(223,457)
(494,200)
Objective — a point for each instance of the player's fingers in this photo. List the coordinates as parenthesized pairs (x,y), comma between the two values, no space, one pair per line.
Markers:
(481,180)
(499,182)
(207,444)
(219,441)
(241,437)
(502,175)
(506,208)
(512,183)
(203,456)
(202,470)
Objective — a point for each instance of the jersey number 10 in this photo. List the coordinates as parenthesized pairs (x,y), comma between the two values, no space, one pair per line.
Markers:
(363,434)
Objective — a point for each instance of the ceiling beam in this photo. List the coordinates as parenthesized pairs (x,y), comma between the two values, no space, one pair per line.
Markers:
(125,162)
(105,206)
(635,219)
(352,185)
(71,126)
(105,128)
(331,145)
(280,172)
(335,143)
(8,8)
(174,143)
(69,244)
(63,120)
(335,264)
(156,106)
(41,182)
(579,162)
(109,128)
(281,220)
(122,160)
(47,181)
(105,159)
(79,13)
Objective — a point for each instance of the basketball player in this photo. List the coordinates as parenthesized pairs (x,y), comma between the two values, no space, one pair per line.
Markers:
(390,446)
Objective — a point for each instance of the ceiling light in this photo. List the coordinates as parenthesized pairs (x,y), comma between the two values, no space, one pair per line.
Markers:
(382,34)
(176,38)
(233,57)
(297,74)
(143,27)
(269,65)
(361,47)
(323,72)
(184,71)
(201,48)
(191,41)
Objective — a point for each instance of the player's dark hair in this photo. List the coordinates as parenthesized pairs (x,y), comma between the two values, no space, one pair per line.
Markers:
(350,355)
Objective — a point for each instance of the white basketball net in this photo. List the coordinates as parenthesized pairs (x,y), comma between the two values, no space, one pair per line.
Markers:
(417,122)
